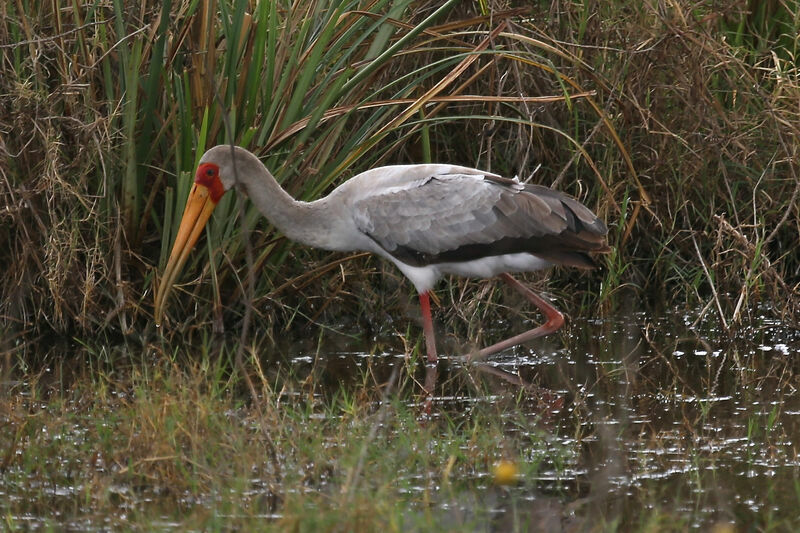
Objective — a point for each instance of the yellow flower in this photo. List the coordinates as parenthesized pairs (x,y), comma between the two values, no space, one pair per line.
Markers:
(505,472)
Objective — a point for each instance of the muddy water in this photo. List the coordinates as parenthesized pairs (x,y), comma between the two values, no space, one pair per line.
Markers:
(678,416)
(655,421)
(664,420)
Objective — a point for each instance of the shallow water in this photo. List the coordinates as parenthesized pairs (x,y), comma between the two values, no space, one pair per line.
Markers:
(663,412)
(649,415)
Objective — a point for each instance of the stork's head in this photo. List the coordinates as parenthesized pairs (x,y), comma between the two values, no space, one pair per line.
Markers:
(219,166)
(216,175)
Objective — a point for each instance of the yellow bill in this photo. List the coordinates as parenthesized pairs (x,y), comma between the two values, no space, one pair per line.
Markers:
(199,207)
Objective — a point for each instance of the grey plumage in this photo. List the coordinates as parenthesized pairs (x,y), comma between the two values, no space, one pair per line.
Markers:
(451,217)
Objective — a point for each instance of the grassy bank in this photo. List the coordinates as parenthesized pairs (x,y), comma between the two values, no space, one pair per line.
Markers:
(179,443)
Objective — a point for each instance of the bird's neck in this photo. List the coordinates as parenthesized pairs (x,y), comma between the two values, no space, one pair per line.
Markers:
(308,223)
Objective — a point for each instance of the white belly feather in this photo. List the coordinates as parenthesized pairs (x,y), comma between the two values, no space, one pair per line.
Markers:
(425,277)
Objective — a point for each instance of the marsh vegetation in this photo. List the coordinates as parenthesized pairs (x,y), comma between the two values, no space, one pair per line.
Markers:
(668,403)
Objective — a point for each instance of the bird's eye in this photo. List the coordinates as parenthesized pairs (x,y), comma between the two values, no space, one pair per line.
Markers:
(210,172)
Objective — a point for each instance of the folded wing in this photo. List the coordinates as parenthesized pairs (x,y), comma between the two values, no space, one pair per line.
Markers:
(459,217)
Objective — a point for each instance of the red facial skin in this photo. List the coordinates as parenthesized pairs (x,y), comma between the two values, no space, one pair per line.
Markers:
(200,203)
(208,176)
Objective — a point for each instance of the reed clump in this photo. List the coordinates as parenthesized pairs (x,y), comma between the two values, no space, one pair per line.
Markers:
(677,123)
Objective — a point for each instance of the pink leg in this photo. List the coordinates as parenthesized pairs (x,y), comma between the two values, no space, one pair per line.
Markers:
(554,321)
(427,327)
(429,387)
